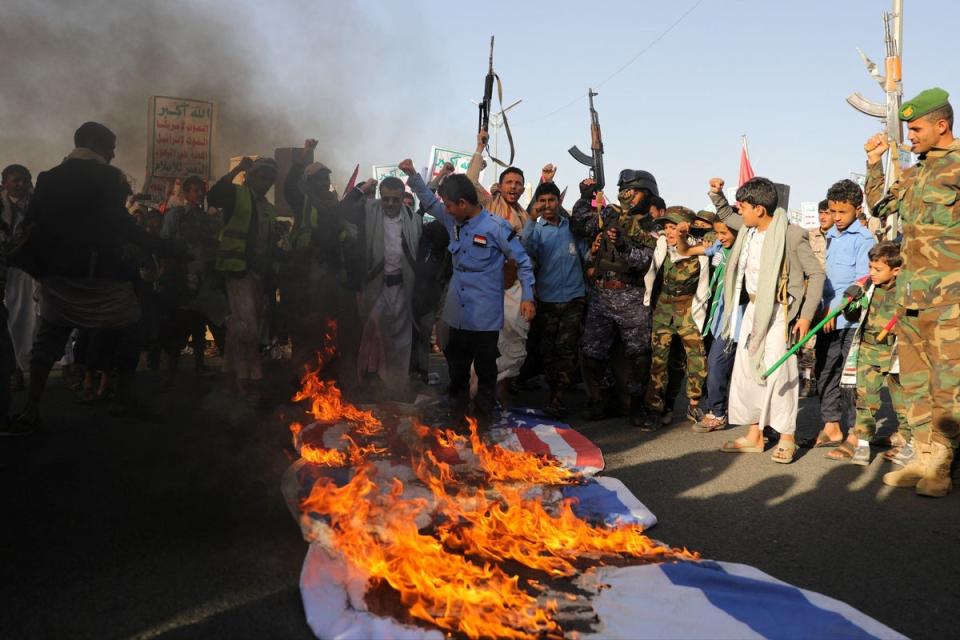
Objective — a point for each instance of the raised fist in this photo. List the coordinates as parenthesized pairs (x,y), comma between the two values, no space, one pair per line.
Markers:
(310,144)
(716,185)
(369,187)
(245,163)
(447,169)
(482,139)
(407,167)
(548,172)
(588,187)
(875,147)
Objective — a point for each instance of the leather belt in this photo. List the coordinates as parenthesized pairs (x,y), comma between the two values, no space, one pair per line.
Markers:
(913,313)
(612,284)
(392,279)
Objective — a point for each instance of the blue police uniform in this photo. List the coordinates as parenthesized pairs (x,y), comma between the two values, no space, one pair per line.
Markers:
(474,307)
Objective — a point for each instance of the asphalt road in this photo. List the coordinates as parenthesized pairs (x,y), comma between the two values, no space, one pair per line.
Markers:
(170,524)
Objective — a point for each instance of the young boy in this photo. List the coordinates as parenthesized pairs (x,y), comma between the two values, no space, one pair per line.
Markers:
(722,350)
(767,268)
(680,310)
(848,246)
(874,358)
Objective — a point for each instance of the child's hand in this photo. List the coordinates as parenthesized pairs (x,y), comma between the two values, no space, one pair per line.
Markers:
(801,328)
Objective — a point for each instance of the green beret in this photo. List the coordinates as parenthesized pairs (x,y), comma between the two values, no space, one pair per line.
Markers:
(676,215)
(923,103)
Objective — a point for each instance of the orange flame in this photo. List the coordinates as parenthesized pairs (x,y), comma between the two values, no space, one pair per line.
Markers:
(503,465)
(450,577)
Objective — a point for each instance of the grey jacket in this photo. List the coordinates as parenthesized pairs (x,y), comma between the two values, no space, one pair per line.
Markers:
(805,274)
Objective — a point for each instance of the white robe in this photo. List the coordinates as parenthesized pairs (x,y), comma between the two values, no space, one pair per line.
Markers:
(388,329)
(21,298)
(776,403)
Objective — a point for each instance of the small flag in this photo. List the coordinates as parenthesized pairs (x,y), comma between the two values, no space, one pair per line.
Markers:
(746,171)
(352,182)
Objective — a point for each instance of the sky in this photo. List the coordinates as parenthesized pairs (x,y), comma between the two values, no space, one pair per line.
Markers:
(379,81)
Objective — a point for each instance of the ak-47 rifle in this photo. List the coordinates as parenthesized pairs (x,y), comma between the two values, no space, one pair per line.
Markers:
(594,160)
(484,123)
(889,112)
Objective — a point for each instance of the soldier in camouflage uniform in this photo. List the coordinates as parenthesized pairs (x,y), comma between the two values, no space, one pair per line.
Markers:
(927,199)
(621,251)
(673,315)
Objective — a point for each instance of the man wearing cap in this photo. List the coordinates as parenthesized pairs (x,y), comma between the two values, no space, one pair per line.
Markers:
(927,199)
(316,285)
(680,310)
(621,251)
(245,255)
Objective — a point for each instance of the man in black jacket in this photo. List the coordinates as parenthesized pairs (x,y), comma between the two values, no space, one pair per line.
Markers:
(76,228)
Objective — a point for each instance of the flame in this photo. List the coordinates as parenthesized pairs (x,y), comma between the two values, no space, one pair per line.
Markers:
(449,576)
(436,586)
(518,466)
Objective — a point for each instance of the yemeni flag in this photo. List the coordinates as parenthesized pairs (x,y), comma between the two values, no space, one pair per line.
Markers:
(746,171)
(352,182)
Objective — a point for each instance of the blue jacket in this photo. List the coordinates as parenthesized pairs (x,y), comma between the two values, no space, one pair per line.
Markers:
(847,260)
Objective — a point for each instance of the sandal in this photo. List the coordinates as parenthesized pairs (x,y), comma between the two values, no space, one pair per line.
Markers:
(741,445)
(843,452)
(824,441)
(784,452)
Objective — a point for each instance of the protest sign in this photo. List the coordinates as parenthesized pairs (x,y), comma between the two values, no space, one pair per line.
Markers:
(180,142)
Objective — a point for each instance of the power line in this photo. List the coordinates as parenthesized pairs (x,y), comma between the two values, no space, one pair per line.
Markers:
(629,62)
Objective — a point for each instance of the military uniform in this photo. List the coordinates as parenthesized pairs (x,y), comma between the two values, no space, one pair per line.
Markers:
(927,198)
(672,316)
(874,361)
(615,301)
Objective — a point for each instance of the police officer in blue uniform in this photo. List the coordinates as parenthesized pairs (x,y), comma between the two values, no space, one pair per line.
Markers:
(480,242)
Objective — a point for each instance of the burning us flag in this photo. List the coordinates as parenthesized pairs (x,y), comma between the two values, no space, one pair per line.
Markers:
(421,531)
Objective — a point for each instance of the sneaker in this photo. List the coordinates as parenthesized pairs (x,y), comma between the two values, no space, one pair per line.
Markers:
(710,422)
(903,456)
(666,418)
(861,456)
(695,413)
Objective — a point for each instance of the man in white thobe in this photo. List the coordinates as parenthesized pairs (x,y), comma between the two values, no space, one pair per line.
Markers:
(391,233)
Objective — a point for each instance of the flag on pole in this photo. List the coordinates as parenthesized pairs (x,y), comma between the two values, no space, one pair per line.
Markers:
(746,171)
(352,182)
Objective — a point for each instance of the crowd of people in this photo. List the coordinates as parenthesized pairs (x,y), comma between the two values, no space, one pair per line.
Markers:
(627,295)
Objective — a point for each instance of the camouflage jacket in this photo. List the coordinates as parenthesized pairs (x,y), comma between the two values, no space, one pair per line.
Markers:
(883,306)
(680,278)
(635,252)
(927,197)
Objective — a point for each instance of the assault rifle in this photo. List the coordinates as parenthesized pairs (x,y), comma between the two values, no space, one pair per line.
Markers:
(593,160)
(484,123)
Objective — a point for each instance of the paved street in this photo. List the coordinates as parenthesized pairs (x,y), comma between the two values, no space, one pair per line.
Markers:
(171,524)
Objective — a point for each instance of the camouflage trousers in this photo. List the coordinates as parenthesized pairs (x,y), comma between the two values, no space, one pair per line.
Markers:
(929,349)
(672,318)
(618,312)
(873,366)
(560,325)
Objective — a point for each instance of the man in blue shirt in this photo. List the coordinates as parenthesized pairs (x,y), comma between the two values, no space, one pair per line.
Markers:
(848,248)
(561,294)
(479,245)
